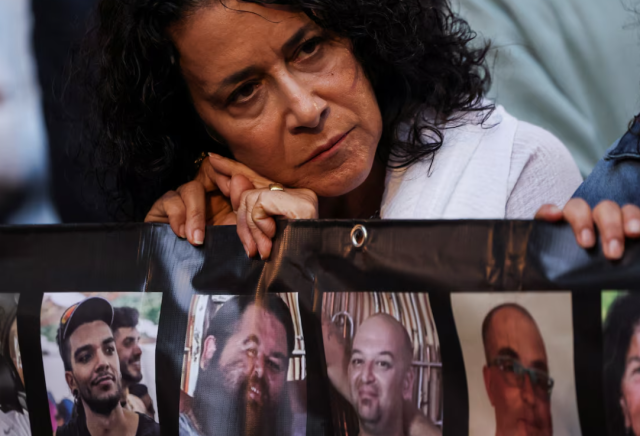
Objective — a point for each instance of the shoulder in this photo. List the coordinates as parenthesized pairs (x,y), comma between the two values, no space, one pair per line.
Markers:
(15,423)
(542,153)
(68,429)
(534,142)
(542,172)
(617,175)
(147,426)
(135,404)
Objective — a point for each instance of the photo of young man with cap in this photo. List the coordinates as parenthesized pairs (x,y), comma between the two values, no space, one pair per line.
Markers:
(92,372)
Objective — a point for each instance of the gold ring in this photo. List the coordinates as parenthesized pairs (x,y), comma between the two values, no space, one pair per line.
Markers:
(276,187)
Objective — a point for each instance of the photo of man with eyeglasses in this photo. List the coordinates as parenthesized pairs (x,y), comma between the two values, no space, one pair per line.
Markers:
(516,374)
(518,357)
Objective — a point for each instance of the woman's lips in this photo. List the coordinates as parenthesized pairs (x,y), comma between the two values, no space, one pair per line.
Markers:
(328,149)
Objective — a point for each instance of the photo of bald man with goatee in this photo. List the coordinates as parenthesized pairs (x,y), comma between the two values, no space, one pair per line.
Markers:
(377,378)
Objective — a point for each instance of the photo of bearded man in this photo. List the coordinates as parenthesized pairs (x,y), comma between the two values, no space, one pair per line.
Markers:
(242,386)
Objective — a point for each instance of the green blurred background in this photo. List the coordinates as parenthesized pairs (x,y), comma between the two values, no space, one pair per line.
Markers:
(608,297)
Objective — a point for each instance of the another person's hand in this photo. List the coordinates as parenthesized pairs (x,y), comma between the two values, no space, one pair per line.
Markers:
(227,192)
(614,223)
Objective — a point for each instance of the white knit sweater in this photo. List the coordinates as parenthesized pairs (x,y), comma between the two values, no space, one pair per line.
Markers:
(504,168)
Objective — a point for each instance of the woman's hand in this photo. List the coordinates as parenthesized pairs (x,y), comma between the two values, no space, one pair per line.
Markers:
(255,204)
(227,192)
(613,222)
(256,209)
(203,201)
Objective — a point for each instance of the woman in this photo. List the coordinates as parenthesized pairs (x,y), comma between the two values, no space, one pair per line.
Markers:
(359,109)
(622,366)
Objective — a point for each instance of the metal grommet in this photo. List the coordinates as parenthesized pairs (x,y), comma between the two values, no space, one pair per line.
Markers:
(359,235)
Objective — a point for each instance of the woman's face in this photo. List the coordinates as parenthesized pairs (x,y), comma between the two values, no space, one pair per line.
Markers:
(290,103)
(630,400)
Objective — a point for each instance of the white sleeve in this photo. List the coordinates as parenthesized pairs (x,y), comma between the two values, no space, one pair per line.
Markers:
(542,171)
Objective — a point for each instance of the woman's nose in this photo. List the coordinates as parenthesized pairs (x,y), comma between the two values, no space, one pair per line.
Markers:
(306,110)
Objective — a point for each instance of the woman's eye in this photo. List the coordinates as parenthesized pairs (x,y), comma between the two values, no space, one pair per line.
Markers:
(252,352)
(309,48)
(356,362)
(243,93)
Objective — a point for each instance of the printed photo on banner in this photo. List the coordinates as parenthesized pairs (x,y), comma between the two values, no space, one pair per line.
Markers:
(14,417)
(518,356)
(621,343)
(98,351)
(383,360)
(244,370)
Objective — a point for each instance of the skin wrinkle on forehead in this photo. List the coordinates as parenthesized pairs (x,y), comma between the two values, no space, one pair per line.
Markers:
(196,65)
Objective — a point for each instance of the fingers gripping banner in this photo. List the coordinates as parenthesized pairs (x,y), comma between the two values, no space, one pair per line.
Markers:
(351,328)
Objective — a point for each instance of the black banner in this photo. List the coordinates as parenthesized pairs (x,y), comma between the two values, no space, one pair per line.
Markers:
(368,327)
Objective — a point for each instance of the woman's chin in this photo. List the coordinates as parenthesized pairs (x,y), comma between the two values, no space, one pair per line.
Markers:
(338,180)
(338,188)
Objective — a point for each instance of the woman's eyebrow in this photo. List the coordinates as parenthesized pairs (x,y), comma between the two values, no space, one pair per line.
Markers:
(237,77)
(217,96)
(253,70)
(297,37)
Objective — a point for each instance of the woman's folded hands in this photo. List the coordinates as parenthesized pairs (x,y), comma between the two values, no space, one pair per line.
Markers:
(228,192)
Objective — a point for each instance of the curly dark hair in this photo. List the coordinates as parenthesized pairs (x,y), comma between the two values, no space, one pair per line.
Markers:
(145,133)
(619,327)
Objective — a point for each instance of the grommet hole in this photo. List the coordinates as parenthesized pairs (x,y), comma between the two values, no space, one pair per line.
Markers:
(359,236)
